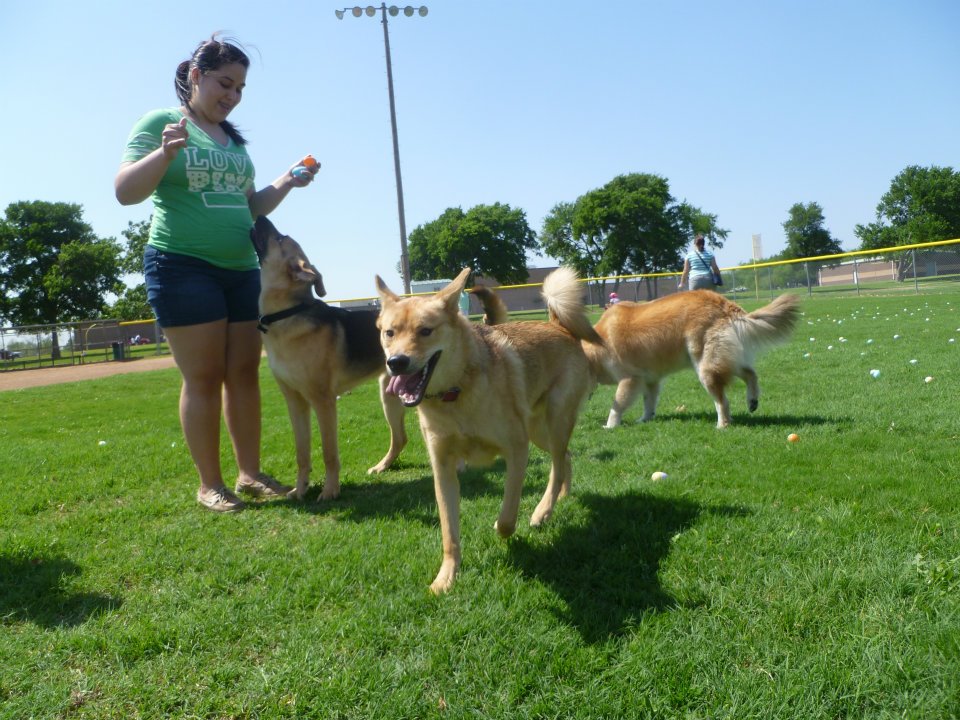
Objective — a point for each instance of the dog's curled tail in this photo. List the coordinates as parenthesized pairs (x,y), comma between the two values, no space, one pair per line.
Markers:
(494,309)
(563,295)
(771,324)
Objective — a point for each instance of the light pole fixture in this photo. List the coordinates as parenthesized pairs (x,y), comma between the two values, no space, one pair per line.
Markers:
(392,11)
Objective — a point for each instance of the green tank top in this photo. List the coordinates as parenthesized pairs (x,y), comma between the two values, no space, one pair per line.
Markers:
(200,207)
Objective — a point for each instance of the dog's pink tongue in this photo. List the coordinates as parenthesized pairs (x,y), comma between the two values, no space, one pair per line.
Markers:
(398,383)
(392,385)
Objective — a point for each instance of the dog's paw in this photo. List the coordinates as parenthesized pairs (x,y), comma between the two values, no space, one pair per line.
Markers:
(297,494)
(444,580)
(541,515)
(504,529)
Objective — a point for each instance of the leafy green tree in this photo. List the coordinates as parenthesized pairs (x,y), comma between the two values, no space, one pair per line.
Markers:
(132,301)
(493,240)
(630,225)
(583,252)
(806,237)
(922,205)
(806,234)
(136,235)
(53,268)
(132,304)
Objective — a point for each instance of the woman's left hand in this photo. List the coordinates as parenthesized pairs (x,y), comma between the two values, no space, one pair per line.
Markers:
(304,175)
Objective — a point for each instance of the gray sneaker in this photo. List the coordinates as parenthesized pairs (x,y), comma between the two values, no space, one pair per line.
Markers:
(219,500)
(263,486)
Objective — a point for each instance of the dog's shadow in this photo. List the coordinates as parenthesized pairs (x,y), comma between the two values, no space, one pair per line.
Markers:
(384,496)
(606,570)
(32,590)
(745,419)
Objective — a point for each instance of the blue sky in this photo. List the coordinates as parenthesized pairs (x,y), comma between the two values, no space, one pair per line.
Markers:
(745,107)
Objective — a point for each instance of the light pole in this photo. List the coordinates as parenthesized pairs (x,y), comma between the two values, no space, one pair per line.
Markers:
(393,11)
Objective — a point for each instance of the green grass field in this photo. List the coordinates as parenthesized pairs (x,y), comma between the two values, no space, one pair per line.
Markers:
(762,579)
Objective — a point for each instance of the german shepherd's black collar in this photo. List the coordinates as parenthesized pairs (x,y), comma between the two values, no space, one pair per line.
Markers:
(316,308)
(265,320)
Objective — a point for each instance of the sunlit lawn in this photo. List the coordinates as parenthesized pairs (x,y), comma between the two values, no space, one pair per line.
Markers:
(761,579)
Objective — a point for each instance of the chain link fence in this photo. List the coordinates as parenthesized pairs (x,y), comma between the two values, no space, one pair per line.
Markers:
(78,343)
(927,267)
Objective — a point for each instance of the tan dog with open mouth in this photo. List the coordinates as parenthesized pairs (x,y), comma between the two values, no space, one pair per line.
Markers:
(645,342)
(485,391)
(317,352)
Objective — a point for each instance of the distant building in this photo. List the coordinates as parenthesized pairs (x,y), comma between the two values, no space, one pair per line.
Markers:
(930,263)
(855,272)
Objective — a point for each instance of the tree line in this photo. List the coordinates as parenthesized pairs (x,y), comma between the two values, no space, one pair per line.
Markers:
(53,267)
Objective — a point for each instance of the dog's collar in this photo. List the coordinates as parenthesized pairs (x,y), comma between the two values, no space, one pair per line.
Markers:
(266,320)
(445,396)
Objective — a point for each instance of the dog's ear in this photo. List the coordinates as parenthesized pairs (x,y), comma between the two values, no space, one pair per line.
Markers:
(318,287)
(385,293)
(450,295)
(303,272)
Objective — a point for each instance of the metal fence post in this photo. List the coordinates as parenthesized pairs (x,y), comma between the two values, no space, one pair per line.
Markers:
(913,259)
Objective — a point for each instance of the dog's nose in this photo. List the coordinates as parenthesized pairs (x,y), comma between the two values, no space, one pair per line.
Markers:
(398,364)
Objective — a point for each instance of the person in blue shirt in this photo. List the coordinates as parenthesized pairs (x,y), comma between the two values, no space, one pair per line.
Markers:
(699,267)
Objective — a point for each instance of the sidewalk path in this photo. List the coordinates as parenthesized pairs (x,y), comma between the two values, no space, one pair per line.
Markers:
(19,379)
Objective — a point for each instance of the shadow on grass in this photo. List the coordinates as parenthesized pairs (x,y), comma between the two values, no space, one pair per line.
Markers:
(32,589)
(606,570)
(747,419)
(384,496)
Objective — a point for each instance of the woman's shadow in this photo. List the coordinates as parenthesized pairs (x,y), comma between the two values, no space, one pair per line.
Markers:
(32,589)
(606,569)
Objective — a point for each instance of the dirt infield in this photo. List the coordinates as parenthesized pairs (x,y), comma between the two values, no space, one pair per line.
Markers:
(19,379)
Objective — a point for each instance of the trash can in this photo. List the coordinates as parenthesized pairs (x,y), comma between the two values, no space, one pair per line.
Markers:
(117,350)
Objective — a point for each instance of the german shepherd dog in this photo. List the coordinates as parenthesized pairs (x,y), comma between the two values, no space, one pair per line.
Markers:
(701,329)
(317,352)
(483,391)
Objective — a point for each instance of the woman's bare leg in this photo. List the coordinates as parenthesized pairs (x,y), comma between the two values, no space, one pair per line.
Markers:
(200,354)
(241,396)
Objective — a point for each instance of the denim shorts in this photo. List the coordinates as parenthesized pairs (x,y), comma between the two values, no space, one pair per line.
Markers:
(184,290)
